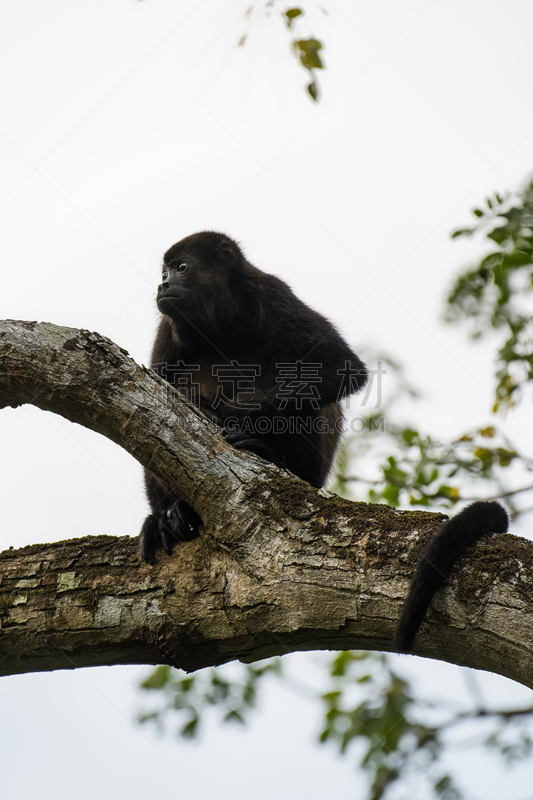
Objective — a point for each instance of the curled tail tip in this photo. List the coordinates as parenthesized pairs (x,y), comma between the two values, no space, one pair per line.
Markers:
(487,514)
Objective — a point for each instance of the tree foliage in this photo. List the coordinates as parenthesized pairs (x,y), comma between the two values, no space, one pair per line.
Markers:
(306,49)
(496,292)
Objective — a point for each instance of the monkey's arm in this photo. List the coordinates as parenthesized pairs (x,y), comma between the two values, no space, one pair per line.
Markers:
(172,519)
(290,437)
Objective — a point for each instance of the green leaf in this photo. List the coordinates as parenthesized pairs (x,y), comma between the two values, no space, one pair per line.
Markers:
(488,432)
(331,697)
(478,212)
(462,232)
(190,729)
(159,678)
(409,436)
(291,15)
(499,235)
(391,495)
(312,88)
(309,55)
(248,695)
(505,456)
(445,788)
(448,491)
(234,716)
(486,457)
(518,258)
(152,715)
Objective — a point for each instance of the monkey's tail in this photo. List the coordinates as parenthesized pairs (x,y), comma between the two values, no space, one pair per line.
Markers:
(438,560)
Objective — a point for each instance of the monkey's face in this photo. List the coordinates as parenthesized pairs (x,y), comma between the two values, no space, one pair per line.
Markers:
(175,286)
(200,282)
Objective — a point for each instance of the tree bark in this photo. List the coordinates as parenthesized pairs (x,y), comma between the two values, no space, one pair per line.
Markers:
(279,566)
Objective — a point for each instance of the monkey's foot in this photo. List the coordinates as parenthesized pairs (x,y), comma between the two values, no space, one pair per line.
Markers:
(179,523)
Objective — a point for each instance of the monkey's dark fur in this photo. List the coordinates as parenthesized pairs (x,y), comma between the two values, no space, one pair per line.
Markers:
(438,559)
(221,312)
(217,309)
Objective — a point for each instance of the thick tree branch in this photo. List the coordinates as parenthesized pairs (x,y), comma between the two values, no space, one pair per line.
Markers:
(279,566)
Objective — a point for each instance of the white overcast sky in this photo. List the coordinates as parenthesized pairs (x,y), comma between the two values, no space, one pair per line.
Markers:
(127,125)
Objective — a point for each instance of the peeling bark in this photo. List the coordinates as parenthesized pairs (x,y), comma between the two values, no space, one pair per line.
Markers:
(279,566)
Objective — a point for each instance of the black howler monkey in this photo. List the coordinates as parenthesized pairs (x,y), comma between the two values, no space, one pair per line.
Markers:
(259,362)
(226,325)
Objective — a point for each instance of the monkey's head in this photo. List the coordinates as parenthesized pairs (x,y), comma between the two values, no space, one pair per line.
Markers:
(204,282)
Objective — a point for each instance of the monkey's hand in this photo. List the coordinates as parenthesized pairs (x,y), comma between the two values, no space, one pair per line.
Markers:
(178,523)
(243,441)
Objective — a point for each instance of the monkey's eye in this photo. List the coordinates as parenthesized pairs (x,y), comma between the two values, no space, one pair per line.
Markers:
(164,275)
(182,267)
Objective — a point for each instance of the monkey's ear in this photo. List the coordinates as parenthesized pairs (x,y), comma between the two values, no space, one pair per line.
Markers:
(229,251)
